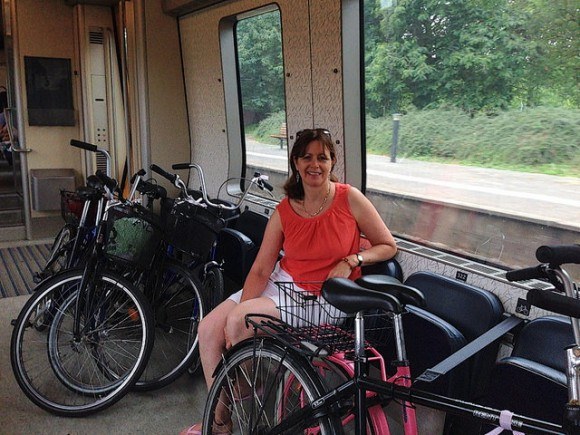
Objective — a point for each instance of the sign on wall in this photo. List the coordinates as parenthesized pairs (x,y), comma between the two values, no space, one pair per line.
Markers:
(49,91)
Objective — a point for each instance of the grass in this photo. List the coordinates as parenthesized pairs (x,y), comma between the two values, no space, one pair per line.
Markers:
(540,140)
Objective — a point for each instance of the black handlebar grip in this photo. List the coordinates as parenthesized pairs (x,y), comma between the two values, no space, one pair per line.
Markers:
(558,255)
(181,166)
(526,273)
(106,180)
(163,173)
(139,173)
(84,145)
(557,303)
(266,185)
(263,183)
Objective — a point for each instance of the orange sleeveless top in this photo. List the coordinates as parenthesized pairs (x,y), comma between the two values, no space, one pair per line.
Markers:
(313,246)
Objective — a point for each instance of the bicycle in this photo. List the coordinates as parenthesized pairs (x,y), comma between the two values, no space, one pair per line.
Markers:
(276,382)
(98,325)
(79,212)
(194,222)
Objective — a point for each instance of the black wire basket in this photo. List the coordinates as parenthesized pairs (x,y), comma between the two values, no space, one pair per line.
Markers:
(192,228)
(133,235)
(312,326)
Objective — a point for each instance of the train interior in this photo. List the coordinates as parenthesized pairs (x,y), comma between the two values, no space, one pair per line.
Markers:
(161,82)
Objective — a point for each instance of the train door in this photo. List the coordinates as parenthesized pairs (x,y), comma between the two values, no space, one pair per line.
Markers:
(13,156)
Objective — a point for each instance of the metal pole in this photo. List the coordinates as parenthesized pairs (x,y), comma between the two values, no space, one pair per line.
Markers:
(396,121)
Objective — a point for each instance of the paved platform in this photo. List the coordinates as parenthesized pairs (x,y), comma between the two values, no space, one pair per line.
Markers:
(535,196)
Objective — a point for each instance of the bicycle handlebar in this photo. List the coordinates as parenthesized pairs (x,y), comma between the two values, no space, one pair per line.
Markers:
(139,173)
(552,257)
(171,177)
(84,145)
(554,302)
(558,255)
(109,182)
(257,180)
(95,149)
(262,183)
(526,273)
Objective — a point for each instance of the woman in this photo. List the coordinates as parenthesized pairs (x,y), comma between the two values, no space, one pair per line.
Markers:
(318,227)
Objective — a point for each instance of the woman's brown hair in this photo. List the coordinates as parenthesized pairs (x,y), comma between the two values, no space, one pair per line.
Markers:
(293,186)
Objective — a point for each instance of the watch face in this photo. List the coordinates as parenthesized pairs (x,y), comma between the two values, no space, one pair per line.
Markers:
(360,259)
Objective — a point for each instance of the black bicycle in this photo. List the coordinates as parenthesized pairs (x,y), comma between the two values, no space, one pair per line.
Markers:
(97,328)
(193,222)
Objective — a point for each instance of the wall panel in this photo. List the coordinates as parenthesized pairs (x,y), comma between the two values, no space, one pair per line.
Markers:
(313,97)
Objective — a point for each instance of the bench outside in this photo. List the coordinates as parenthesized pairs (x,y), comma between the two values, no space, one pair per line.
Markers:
(282,136)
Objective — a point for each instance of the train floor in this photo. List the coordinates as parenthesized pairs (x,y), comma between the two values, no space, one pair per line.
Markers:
(165,411)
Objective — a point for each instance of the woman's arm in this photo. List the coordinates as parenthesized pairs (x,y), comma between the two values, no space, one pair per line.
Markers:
(263,266)
(372,226)
(383,246)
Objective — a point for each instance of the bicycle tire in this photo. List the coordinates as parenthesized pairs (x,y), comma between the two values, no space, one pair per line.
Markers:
(67,377)
(59,251)
(178,305)
(214,285)
(256,405)
(334,375)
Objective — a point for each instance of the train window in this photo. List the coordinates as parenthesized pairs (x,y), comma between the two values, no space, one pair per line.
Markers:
(261,83)
(472,126)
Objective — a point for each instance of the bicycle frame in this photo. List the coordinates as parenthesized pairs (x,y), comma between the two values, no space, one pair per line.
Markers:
(93,266)
(400,387)
(361,384)
(572,354)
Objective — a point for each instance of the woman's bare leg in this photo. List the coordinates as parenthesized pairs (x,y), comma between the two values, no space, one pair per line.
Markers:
(226,324)
(236,329)
(212,343)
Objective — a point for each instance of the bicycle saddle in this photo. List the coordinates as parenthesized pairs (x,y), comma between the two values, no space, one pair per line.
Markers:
(349,297)
(388,284)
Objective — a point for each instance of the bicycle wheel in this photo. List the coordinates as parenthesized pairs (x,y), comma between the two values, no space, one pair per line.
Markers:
(260,384)
(77,376)
(335,374)
(178,307)
(59,252)
(213,284)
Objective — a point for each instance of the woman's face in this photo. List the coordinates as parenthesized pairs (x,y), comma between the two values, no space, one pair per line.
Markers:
(315,165)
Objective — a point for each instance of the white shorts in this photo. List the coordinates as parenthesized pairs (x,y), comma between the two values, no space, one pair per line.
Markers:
(271,290)
(294,310)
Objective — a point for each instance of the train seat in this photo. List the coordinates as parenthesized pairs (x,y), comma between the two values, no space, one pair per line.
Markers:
(429,339)
(389,267)
(532,380)
(238,245)
(472,310)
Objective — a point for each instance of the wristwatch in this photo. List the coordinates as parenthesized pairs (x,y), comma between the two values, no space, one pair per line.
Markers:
(360,260)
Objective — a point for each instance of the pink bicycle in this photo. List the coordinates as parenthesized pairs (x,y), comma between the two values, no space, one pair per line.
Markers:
(316,371)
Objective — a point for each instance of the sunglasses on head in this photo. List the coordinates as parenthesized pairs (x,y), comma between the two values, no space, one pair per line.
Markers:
(313,132)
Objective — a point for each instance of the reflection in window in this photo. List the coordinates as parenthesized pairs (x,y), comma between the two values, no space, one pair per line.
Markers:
(261,78)
(472,115)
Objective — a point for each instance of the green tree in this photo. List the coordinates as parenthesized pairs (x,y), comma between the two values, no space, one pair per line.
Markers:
(261,68)
(554,26)
(467,53)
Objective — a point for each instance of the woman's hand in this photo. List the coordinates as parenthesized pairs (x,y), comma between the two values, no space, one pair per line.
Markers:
(341,270)
(228,341)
